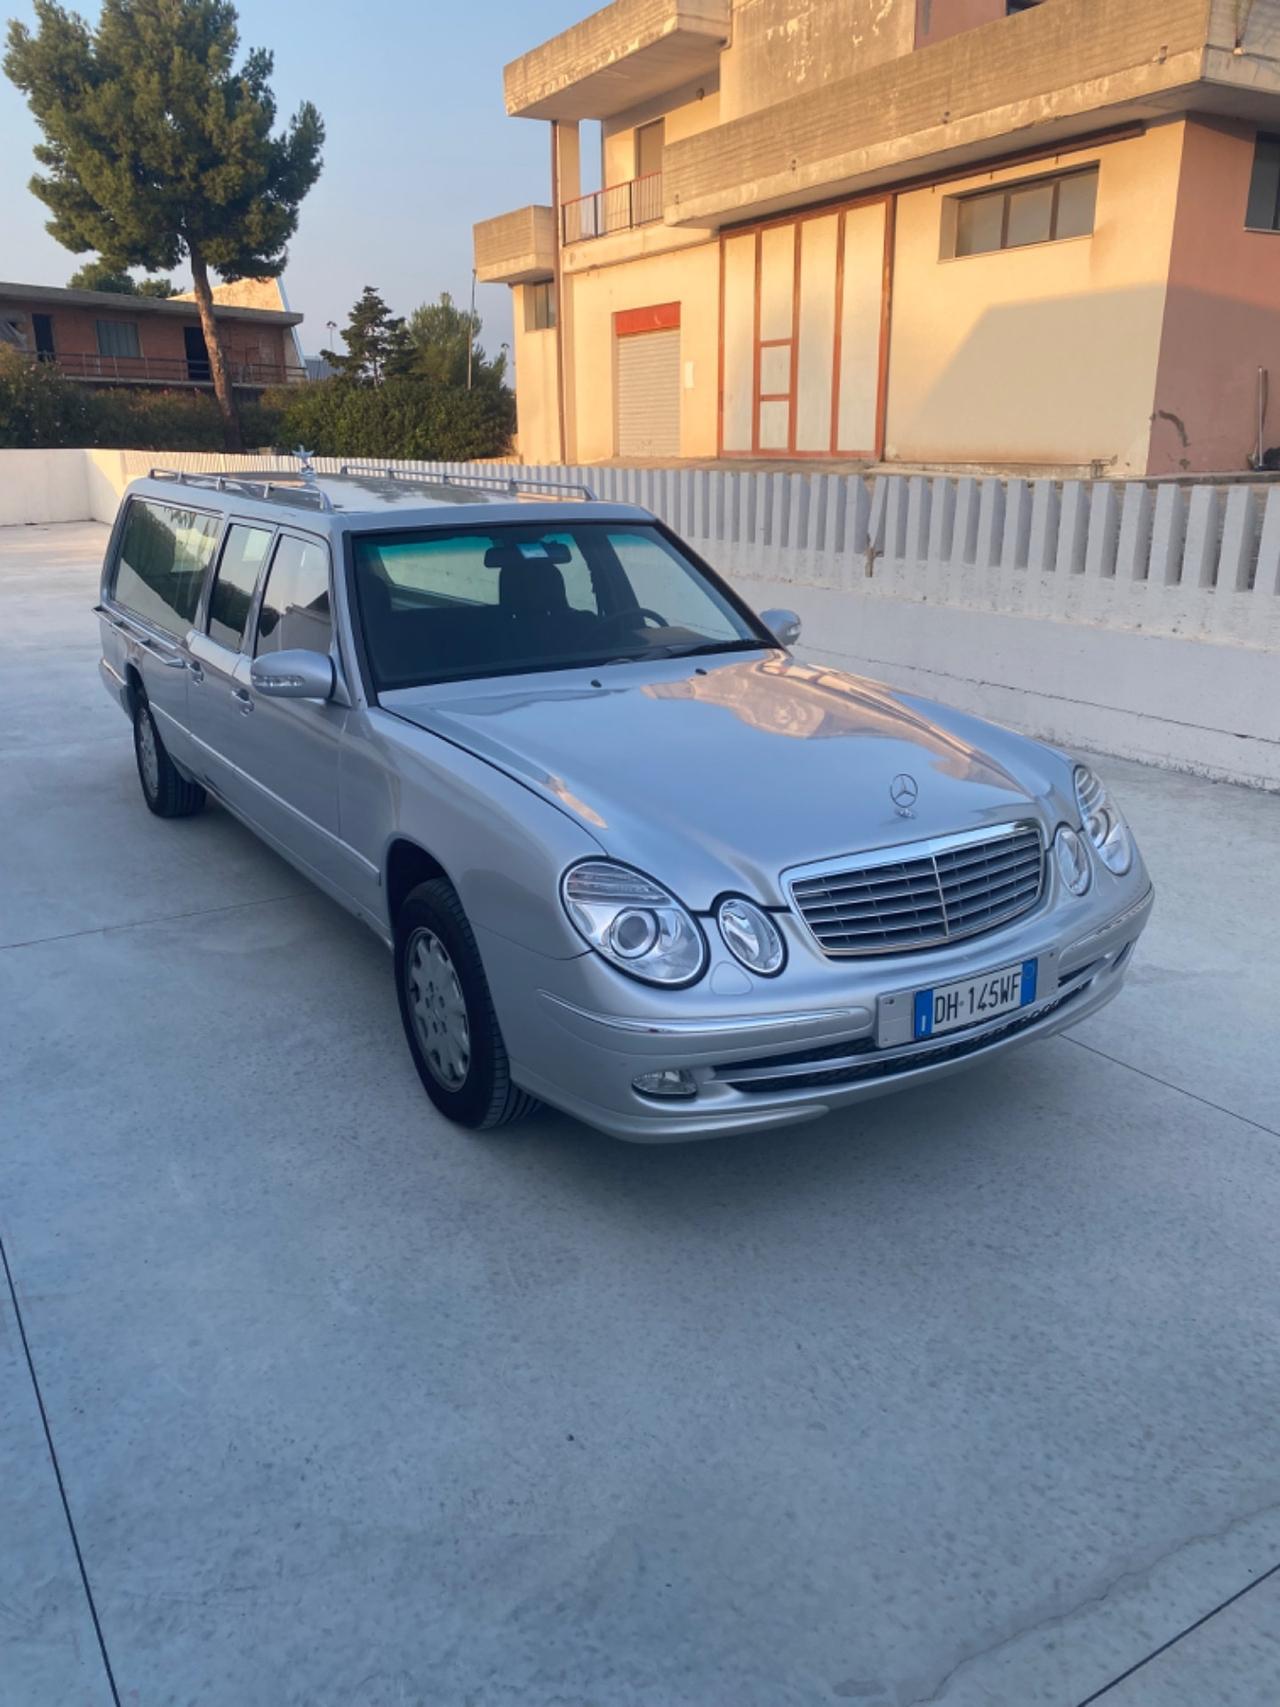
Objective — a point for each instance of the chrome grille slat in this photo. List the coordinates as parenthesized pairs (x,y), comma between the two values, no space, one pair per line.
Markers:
(922,895)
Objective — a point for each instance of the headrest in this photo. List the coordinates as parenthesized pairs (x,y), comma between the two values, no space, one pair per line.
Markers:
(535,588)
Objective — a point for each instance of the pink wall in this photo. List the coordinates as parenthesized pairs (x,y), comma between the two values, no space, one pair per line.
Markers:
(1222,314)
(938,19)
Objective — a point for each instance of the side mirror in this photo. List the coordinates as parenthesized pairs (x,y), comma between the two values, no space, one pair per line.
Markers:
(784,625)
(294,674)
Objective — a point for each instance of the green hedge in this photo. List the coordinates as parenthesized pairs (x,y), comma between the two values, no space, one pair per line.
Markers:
(410,418)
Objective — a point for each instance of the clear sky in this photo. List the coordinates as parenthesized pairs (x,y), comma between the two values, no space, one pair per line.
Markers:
(418,148)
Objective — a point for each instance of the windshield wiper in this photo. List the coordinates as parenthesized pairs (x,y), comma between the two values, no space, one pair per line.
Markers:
(688,650)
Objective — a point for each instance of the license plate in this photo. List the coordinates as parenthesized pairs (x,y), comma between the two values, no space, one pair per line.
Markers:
(970,1001)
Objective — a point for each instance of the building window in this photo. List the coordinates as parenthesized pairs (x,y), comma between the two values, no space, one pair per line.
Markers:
(1031,210)
(118,338)
(539,307)
(650,141)
(1264,186)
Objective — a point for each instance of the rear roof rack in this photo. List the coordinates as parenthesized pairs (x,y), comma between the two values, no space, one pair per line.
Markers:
(513,484)
(278,486)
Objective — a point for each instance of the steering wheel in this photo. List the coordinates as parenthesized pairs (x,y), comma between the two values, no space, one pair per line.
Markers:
(618,617)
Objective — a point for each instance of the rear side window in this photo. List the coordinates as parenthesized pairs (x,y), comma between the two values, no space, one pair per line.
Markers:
(295,601)
(243,554)
(164,554)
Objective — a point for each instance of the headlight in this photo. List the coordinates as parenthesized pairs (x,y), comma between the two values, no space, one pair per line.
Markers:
(1073,860)
(635,923)
(1102,821)
(751,936)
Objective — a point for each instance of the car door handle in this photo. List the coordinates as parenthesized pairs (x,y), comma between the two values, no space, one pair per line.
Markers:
(243,698)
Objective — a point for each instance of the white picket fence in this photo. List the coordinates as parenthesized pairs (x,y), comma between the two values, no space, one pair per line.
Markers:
(1141,620)
(1200,562)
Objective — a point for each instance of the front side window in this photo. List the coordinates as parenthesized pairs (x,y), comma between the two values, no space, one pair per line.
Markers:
(118,338)
(243,554)
(438,606)
(1012,216)
(1263,213)
(164,553)
(295,601)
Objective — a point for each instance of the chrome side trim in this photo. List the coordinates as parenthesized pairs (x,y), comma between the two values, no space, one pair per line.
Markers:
(288,806)
(710,1027)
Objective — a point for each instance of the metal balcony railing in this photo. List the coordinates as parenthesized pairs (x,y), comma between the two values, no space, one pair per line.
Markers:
(619,207)
(166,370)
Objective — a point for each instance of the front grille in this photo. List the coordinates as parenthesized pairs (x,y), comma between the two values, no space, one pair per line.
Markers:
(927,893)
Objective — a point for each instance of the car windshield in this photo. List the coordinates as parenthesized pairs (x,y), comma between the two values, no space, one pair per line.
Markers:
(440,606)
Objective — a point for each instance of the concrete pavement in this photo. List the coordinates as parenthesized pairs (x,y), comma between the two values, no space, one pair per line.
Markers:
(967,1397)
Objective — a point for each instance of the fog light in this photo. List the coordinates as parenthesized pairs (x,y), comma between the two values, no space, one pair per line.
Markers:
(669,1082)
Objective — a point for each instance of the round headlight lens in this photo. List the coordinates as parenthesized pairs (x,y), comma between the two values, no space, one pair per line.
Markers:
(1073,860)
(1103,822)
(751,936)
(634,922)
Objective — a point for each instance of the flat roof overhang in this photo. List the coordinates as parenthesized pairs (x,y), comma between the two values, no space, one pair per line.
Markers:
(628,52)
(56,295)
(1054,75)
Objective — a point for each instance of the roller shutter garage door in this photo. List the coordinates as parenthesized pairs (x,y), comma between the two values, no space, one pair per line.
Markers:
(648,395)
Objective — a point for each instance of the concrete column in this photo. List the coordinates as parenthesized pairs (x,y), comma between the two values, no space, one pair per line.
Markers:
(1200,554)
(1134,549)
(1239,532)
(1168,534)
(1104,531)
(568,154)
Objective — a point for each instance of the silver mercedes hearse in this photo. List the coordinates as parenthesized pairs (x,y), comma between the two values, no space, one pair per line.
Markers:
(634,859)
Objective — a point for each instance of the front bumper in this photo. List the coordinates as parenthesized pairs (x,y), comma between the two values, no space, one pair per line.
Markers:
(800,1060)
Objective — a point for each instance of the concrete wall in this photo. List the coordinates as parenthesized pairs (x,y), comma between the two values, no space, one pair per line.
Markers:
(780,48)
(1045,354)
(1139,620)
(537,387)
(38,486)
(689,276)
(1222,317)
(1068,62)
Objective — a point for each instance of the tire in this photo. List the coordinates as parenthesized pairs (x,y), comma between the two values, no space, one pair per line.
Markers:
(447,1012)
(166,791)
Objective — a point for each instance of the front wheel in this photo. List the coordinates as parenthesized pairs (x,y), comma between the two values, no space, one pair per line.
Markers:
(448,1016)
(166,791)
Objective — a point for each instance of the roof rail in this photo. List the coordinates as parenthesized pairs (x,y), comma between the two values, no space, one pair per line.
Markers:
(514,484)
(281,485)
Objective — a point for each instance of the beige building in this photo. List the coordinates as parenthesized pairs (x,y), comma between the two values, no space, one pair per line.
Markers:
(925,231)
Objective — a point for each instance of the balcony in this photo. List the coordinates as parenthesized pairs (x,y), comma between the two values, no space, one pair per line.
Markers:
(167,370)
(628,52)
(619,207)
(1038,78)
(516,248)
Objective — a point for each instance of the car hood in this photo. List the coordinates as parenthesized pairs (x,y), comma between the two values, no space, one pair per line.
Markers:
(723,776)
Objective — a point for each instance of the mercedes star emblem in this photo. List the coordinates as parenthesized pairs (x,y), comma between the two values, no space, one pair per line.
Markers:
(903,791)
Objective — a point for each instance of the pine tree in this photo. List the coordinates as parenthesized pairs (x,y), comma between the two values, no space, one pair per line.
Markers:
(443,334)
(378,344)
(97,275)
(157,146)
